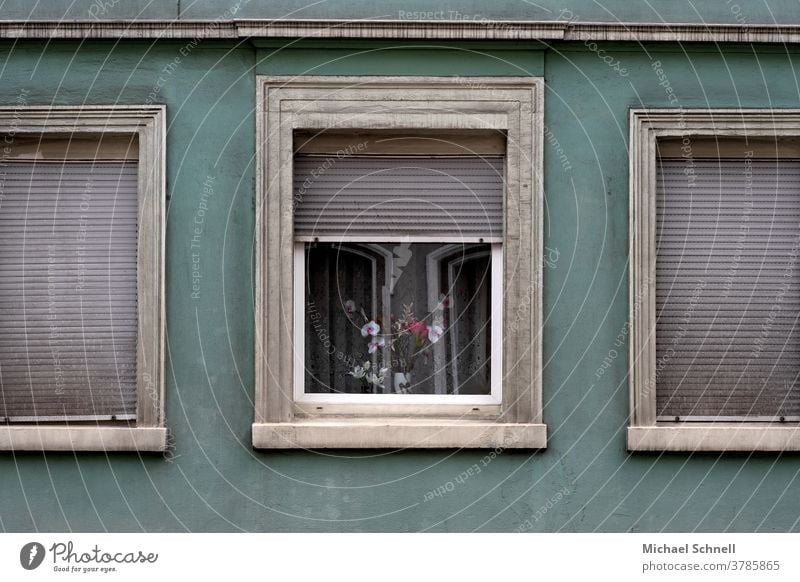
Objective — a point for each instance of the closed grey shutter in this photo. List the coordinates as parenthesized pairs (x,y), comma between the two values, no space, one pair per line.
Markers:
(375,198)
(728,290)
(68,290)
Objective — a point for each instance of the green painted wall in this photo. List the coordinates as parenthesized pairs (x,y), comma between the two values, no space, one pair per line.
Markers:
(213,480)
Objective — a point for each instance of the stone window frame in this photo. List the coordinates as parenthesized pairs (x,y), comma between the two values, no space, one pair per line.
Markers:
(513,105)
(647,126)
(148,124)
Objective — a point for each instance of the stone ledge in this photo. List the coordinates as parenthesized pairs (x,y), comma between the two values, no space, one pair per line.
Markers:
(398,434)
(82,438)
(714,438)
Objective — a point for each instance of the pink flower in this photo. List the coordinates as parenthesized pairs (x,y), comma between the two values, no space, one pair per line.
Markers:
(419,329)
(370,328)
(349,307)
(376,343)
(434,333)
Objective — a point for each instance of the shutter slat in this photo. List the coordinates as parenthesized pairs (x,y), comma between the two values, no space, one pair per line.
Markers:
(728,289)
(68,291)
(370,198)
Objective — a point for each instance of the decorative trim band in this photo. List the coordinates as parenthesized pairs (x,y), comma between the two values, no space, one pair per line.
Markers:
(400,29)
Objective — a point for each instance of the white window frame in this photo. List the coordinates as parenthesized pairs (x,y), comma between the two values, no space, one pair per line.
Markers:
(511,416)
(496,331)
(312,403)
(147,123)
(645,432)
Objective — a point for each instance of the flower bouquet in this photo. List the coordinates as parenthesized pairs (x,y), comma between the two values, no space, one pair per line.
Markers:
(407,339)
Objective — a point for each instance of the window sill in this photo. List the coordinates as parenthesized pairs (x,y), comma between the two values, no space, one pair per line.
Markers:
(82,438)
(715,438)
(383,433)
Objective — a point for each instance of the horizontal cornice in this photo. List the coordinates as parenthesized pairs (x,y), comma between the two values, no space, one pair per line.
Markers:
(399,30)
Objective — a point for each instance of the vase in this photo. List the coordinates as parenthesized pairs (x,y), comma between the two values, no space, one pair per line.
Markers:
(402,381)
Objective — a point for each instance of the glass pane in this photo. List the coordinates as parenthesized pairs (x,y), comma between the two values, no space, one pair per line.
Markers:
(398,318)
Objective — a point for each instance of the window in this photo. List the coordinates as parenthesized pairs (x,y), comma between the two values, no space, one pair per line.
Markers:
(391,211)
(372,327)
(81,276)
(715,298)
(400,257)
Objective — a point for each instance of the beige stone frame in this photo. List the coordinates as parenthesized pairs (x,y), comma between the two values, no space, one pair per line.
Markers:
(148,123)
(647,126)
(513,105)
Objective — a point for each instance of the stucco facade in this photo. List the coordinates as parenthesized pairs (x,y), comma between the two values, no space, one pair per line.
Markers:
(211,478)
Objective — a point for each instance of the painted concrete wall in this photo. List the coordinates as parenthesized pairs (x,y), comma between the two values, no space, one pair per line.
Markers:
(213,480)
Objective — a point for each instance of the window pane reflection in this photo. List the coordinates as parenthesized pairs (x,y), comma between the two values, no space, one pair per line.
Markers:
(398,318)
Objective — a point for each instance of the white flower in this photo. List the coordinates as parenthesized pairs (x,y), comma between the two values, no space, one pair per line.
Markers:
(376,343)
(349,306)
(360,371)
(434,333)
(378,379)
(370,328)
(357,372)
